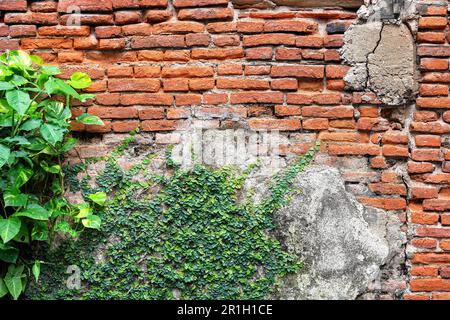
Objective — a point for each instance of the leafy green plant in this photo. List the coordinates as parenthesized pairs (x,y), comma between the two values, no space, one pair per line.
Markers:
(35,119)
(187,234)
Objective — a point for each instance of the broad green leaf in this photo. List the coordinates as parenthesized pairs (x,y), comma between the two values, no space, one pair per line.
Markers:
(22,141)
(50,70)
(19,58)
(18,80)
(92,222)
(89,119)
(54,85)
(36,269)
(40,231)
(3,289)
(69,144)
(5,86)
(37,60)
(85,210)
(18,100)
(19,175)
(9,228)
(4,154)
(99,198)
(8,253)
(64,227)
(31,124)
(80,80)
(52,134)
(13,281)
(24,234)
(85,96)
(52,169)
(14,198)
(33,211)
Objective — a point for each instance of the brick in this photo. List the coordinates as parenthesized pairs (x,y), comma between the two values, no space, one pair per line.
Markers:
(176,84)
(147,71)
(85,5)
(43,6)
(315,124)
(150,55)
(445,245)
(163,125)
(22,31)
(31,18)
(336,72)
(127,17)
(284,84)
(124,126)
(256,97)
(111,44)
(288,54)
(151,113)
(425,244)
(13,5)
(430,37)
(70,56)
(427,141)
(260,53)
(429,285)
(178,27)
(309,42)
(427,90)
(433,103)
(373,124)
(106,127)
(221,27)
(250,26)
(226,41)
(388,188)
(426,155)
(198,3)
(87,19)
(146,99)
(433,127)
(144,85)
(154,16)
(107,32)
(436,205)
(215,98)
(328,112)
(198,40)
(432,22)
(300,26)
(188,99)
(201,84)
(344,136)
(432,232)
(30,43)
(424,218)
(424,192)
(440,296)
(138,29)
(436,77)
(284,111)
(169,41)
(384,203)
(217,54)
(120,72)
(113,112)
(275,124)
(133,4)
(395,151)
(245,84)
(206,14)
(256,70)
(433,51)
(269,39)
(445,272)
(187,72)
(298,71)
(353,149)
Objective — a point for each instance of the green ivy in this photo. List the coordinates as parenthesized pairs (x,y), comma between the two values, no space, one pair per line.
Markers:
(191,239)
(35,119)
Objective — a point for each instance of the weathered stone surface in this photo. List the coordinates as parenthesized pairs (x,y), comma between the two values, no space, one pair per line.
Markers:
(372,51)
(343,244)
(391,75)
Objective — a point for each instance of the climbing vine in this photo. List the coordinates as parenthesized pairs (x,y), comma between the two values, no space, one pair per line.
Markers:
(184,235)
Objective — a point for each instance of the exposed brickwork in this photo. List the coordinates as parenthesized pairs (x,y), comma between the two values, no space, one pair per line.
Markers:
(157,63)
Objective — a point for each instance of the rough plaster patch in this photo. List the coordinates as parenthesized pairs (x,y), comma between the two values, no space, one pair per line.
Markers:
(344,244)
(372,50)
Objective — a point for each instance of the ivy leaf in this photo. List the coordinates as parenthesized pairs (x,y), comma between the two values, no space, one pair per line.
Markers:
(13,281)
(8,253)
(52,133)
(52,169)
(3,288)
(36,269)
(92,222)
(64,227)
(35,212)
(99,198)
(80,80)
(9,228)
(89,119)
(4,154)
(18,100)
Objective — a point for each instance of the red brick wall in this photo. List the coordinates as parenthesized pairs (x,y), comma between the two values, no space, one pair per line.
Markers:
(160,65)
